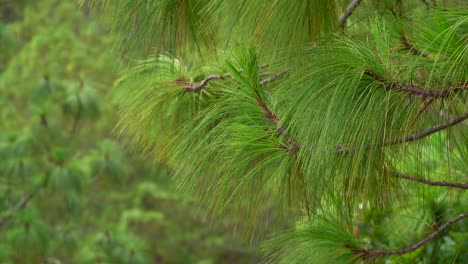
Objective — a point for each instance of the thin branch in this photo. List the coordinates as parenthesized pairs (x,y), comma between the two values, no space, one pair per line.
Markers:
(342,149)
(427,4)
(372,254)
(416,90)
(422,134)
(347,13)
(274,77)
(463,186)
(425,104)
(275,120)
(24,202)
(76,121)
(411,48)
(191,88)
(195,87)
(44,121)
(21,205)
(263,74)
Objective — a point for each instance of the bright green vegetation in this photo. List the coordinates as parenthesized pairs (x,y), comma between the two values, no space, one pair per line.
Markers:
(70,192)
(355,130)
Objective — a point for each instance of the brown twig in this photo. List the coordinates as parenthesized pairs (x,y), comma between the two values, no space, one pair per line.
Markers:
(24,202)
(274,77)
(192,88)
(427,4)
(416,90)
(372,254)
(275,120)
(342,149)
(348,11)
(425,104)
(423,133)
(195,87)
(411,48)
(76,121)
(463,186)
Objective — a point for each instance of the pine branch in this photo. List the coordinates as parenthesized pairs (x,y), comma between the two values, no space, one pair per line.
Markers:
(372,254)
(463,186)
(416,90)
(347,13)
(269,114)
(342,149)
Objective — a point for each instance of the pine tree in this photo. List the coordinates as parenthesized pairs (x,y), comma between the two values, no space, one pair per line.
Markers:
(348,115)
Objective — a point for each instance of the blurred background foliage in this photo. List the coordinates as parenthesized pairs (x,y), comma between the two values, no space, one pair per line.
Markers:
(69,191)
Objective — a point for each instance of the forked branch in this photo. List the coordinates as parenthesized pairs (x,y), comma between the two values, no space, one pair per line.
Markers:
(269,114)
(342,149)
(372,254)
(195,87)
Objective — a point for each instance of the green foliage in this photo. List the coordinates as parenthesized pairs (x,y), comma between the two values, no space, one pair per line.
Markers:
(313,244)
(184,26)
(323,132)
